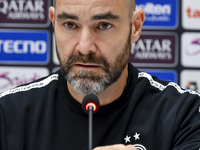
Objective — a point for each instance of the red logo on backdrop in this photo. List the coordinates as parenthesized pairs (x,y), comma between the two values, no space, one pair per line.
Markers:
(155,50)
(192,13)
(24,13)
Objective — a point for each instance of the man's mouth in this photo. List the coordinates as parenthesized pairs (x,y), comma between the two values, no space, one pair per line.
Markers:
(87,66)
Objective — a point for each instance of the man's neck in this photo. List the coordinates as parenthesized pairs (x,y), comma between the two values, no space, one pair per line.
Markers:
(109,95)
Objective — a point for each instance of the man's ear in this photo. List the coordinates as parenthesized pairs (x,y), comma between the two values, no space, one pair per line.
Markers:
(52,15)
(138,18)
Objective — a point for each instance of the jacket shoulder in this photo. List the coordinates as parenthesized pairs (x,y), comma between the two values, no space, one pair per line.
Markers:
(160,85)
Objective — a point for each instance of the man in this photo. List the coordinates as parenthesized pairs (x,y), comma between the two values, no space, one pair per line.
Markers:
(138,111)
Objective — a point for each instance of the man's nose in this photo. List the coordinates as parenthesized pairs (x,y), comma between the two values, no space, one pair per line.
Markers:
(86,42)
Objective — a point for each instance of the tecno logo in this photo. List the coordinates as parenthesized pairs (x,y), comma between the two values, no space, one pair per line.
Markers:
(24,46)
(191,14)
(156,9)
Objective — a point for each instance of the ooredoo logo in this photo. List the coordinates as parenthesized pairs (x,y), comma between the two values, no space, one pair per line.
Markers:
(26,13)
(24,46)
(14,76)
(160,14)
(155,49)
(190,49)
(191,14)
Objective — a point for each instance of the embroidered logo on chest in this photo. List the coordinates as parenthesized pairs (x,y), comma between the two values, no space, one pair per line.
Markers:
(139,147)
(135,137)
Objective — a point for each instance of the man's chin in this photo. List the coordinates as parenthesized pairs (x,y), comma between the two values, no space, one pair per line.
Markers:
(87,86)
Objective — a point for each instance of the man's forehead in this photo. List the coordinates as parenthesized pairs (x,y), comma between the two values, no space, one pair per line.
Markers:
(92,2)
(91,7)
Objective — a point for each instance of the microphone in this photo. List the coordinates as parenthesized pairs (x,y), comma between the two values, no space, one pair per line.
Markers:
(90,105)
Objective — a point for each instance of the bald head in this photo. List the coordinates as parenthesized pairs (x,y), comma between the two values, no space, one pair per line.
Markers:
(131,5)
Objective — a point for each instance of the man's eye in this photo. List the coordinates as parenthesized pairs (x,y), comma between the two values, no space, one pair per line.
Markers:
(70,25)
(105,26)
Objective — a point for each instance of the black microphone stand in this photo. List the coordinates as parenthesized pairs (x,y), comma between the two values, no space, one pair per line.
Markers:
(90,105)
(90,119)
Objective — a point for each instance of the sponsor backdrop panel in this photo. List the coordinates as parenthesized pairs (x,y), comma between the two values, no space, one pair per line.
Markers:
(168,48)
(24,13)
(160,14)
(191,14)
(14,76)
(190,79)
(158,49)
(190,49)
(24,46)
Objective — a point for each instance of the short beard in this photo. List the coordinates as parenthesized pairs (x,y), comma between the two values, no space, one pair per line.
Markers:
(86,82)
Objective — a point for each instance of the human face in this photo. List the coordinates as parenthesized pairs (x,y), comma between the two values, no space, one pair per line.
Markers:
(85,82)
(93,42)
